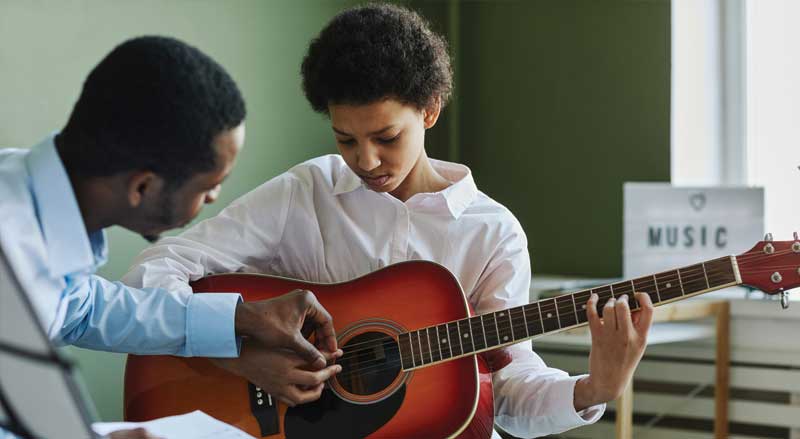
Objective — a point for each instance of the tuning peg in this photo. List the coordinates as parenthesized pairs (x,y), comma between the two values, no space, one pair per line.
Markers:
(795,237)
(768,237)
(785,299)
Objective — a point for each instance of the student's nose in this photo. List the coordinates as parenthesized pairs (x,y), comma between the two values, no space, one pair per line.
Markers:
(368,158)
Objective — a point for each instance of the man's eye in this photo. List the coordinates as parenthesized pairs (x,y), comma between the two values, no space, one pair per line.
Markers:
(346,142)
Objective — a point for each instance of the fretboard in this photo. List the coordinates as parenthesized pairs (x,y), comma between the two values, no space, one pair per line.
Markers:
(433,344)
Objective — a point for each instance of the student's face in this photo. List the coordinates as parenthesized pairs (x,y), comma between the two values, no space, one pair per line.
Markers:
(382,141)
(177,207)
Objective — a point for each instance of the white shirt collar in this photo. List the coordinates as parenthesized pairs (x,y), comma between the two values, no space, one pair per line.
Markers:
(457,197)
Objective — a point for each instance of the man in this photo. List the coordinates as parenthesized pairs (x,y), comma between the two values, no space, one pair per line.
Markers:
(155,131)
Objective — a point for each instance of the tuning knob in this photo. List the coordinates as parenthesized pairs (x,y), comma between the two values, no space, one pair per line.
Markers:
(768,247)
(785,299)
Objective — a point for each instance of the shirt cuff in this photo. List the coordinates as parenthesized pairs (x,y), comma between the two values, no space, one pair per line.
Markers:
(210,329)
(574,419)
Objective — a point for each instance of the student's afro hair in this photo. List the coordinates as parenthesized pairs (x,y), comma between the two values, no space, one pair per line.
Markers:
(373,52)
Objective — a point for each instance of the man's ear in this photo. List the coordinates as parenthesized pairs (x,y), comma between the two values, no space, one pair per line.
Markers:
(430,113)
(143,185)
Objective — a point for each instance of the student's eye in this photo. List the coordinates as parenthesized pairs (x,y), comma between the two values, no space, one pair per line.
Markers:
(346,142)
(390,140)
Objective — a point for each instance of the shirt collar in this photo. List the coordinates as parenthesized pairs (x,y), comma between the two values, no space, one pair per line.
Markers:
(69,247)
(457,197)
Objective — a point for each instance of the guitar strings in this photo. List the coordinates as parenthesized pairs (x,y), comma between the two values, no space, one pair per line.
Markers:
(378,365)
(689,276)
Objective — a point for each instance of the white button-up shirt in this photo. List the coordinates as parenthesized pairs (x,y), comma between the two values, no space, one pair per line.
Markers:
(318,222)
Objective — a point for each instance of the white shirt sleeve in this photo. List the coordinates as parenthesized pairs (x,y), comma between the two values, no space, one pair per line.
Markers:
(242,238)
(531,399)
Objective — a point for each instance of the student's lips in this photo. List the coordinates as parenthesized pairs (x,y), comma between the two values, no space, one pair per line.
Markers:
(376,182)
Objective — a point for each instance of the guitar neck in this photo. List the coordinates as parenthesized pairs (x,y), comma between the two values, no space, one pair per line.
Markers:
(434,344)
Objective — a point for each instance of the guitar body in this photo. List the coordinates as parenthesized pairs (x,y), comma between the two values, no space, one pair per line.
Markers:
(372,397)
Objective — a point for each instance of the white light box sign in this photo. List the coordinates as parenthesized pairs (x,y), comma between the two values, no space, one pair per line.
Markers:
(668,227)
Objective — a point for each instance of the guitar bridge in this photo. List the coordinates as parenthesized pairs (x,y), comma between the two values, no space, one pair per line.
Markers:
(264,409)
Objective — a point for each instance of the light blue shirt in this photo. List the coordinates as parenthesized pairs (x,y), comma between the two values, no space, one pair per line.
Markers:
(47,245)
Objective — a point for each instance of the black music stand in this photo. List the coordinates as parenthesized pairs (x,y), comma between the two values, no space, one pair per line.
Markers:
(40,396)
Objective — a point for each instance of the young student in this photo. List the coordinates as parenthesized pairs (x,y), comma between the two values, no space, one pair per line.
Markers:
(155,131)
(383,77)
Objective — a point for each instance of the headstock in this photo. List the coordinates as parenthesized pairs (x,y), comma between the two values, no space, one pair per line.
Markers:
(772,266)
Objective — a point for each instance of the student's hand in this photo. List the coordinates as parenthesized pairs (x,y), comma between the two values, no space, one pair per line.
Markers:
(136,433)
(281,372)
(618,343)
(286,322)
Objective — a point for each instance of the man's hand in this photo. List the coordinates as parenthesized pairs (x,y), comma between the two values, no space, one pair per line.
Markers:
(280,372)
(618,343)
(136,433)
(286,322)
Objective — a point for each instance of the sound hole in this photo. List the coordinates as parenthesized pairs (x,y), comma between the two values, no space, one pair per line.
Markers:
(370,363)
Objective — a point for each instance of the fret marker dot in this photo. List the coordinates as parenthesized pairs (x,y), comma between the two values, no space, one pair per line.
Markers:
(505,338)
(549,315)
(501,314)
(444,341)
(583,306)
(466,335)
(669,284)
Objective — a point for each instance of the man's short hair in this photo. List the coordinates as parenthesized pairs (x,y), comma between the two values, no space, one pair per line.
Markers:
(154,103)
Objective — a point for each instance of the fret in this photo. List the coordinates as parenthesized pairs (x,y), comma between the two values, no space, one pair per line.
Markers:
(525,322)
(483,330)
(492,336)
(404,345)
(466,336)
(582,298)
(460,340)
(720,271)
(668,286)
(626,289)
(693,279)
(416,353)
(453,334)
(549,315)
(611,287)
(566,311)
(680,282)
(438,341)
(708,284)
(634,303)
(497,327)
(658,293)
(425,346)
(645,285)
(603,296)
(446,340)
(541,316)
(478,337)
(436,353)
(574,306)
(534,326)
(506,333)
(517,318)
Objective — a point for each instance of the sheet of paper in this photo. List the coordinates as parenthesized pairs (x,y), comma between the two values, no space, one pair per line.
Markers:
(194,425)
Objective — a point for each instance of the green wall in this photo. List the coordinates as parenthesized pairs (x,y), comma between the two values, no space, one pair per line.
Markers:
(556,104)
(562,101)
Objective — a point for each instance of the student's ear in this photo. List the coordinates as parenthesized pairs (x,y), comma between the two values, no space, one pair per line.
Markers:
(143,185)
(430,114)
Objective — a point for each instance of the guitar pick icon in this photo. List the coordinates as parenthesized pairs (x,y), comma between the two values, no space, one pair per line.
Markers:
(697,201)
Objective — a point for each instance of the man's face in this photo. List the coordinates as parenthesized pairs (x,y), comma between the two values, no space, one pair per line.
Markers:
(176,207)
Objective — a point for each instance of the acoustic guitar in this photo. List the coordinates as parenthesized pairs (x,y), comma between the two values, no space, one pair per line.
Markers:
(410,340)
